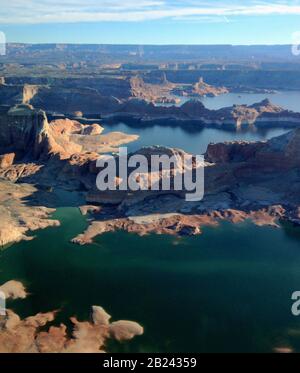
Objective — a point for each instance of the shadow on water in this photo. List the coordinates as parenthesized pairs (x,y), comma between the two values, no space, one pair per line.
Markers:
(191,138)
(55,198)
(225,290)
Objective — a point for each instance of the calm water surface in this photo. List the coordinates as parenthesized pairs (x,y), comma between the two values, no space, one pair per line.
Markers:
(226,290)
(191,140)
(287,99)
(195,140)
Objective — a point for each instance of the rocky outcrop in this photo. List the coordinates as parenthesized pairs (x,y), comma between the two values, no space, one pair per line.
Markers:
(279,153)
(31,335)
(258,181)
(68,100)
(27,133)
(203,89)
(7,160)
(243,180)
(199,89)
(23,131)
(178,223)
(29,91)
(13,290)
(158,93)
(17,217)
(260,114)
(59,153)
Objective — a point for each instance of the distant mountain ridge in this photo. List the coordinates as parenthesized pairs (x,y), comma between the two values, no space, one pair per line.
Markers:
(155,53)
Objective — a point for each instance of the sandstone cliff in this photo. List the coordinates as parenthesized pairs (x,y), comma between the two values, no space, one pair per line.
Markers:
(150,92)
(199,89)
(242,180)
(23,131)
(58,153)
(26,132)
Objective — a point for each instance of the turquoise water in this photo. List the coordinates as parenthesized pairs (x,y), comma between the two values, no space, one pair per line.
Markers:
(226,290)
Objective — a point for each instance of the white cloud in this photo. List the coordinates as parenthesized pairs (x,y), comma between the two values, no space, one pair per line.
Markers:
(66,11)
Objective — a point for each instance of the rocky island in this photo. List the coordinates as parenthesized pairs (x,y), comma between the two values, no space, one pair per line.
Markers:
(193,112)
(29,335)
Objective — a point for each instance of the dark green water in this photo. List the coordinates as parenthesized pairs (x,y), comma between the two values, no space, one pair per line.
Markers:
(226,290)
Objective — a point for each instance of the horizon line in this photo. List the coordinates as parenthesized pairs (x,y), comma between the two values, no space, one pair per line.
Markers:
(152,44)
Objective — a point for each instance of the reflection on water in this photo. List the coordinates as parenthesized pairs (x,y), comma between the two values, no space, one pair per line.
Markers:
(226,290)
(194,139)
(287,99)
(188,138)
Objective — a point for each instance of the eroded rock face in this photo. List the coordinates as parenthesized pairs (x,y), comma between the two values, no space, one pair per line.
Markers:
(26,132)
(236,151)
(23,131)
(278,153)
(253,177)
(7,160)
(158,93)
(180,224)
(203,89)
(29,91)
(200,89)
(17,218)
(66,99)
(261,114)
(59,153)
(243,180)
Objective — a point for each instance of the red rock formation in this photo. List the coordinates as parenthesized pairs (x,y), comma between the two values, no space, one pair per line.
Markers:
(6,160)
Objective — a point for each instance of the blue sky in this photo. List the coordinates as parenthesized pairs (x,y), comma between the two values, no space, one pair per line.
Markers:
(150,21)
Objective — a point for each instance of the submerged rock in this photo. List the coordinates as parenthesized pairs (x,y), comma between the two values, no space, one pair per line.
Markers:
(26,336)
(124,330)
(13,290)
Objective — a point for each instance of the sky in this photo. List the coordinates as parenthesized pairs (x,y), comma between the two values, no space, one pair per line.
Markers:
(150,21)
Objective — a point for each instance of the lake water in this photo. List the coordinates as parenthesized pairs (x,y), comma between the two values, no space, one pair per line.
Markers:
(287,99)
(195,140)
(226,290)
(189,139)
